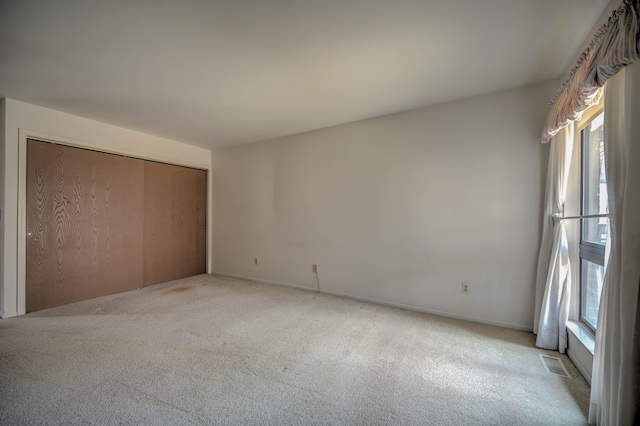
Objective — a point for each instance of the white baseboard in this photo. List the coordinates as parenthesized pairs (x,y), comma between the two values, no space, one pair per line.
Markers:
(434,312)
(299,287)
(391,304)
(579,365)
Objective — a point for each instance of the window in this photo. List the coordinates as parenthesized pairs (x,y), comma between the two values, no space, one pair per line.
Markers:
(593,230)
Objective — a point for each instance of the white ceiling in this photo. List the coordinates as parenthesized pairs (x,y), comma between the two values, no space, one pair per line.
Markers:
(216,73)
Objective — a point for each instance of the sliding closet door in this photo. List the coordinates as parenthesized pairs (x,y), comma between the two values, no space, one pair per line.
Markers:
(84,222)
(175,206)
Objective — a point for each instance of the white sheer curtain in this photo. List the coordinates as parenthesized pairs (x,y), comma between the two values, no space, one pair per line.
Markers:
(553,282)
(615,385)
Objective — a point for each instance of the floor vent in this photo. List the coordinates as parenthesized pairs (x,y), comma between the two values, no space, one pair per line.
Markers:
(554,365)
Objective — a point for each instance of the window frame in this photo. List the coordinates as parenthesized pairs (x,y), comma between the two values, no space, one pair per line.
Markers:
(586,250)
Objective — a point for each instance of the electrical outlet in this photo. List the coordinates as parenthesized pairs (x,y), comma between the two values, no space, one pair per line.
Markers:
(256,261)
(465,287)
(314,268)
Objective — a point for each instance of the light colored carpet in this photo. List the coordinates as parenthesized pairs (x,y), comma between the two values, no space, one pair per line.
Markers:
(218,350)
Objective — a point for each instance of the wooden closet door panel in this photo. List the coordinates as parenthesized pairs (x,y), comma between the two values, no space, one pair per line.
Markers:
(158,223)
(189,230)
(201,254)
(174,222)
(84,224)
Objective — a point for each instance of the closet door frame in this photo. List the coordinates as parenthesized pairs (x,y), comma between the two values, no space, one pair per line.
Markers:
(25,134)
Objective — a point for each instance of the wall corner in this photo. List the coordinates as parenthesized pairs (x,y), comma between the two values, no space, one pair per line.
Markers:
(3,209)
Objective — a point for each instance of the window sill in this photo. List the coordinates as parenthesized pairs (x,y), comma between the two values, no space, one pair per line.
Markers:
(580,348)
(582,335)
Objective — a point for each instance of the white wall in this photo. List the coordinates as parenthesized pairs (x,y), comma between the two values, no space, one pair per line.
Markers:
(399,209)
(58,126)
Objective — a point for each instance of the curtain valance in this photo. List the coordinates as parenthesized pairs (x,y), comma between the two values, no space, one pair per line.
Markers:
(614,46)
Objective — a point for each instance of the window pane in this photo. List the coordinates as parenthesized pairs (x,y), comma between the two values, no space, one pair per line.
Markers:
(594,190)
(592,277)
(594,230)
